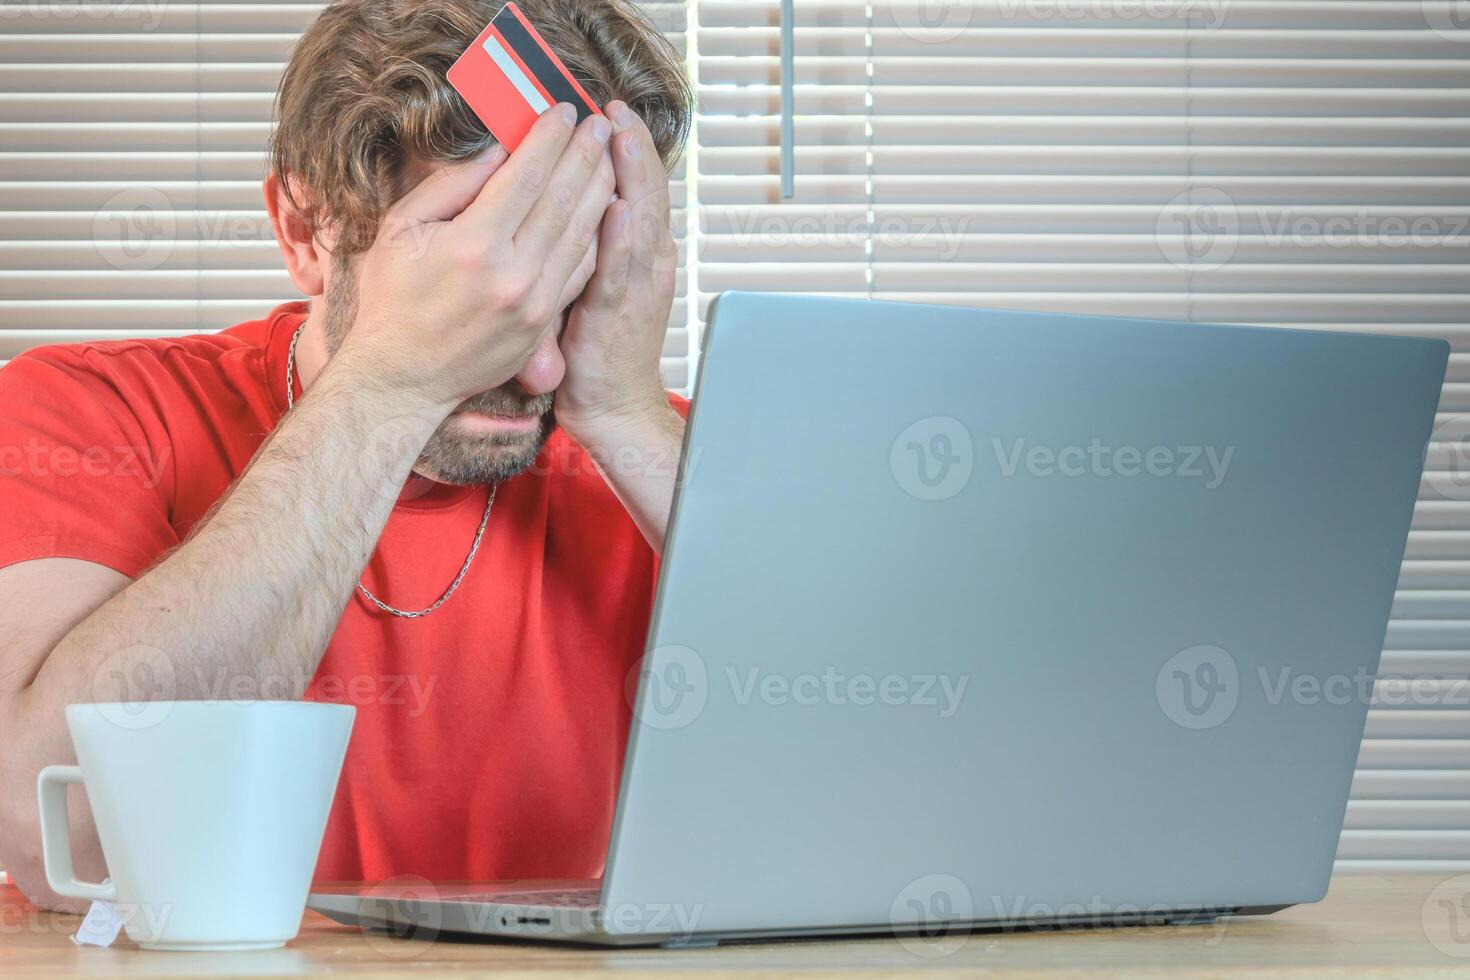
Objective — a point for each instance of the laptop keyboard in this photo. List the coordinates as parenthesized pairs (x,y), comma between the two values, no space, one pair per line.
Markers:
(574,898)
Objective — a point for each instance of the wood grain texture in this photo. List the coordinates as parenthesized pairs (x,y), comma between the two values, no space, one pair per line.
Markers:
(1368,926)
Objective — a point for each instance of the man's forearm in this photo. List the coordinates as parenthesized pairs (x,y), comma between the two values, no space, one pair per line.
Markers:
(638,454)
(246,606)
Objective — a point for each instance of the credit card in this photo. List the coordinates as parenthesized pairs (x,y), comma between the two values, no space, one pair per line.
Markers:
(510,75)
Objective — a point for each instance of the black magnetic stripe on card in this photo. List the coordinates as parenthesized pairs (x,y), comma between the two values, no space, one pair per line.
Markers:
(534,57)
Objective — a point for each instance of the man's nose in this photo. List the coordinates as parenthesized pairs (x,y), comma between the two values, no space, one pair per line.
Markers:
(544,371)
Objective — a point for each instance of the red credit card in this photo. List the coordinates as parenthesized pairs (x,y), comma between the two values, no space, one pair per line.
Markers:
(509,76)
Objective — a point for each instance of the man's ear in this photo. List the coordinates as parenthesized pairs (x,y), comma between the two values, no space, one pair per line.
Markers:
(305,257)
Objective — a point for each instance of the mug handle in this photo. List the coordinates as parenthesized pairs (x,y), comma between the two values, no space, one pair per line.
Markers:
(56,837)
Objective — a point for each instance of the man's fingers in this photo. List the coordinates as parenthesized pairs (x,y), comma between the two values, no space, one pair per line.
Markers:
(580,226)
(625,120)
(640,171)
(503,204)
(581,279)
(580,165)
(610,284)
(642,182)
(446,192)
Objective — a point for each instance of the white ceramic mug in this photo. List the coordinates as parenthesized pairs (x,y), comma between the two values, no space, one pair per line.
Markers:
(210,813)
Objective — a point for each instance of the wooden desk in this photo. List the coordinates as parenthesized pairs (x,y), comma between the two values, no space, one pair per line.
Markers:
(1367,926)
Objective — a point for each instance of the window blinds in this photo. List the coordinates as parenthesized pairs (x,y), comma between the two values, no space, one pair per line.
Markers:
(1278,162)
(132,138)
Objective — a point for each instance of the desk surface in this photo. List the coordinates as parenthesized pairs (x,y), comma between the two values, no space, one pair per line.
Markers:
(1399,926)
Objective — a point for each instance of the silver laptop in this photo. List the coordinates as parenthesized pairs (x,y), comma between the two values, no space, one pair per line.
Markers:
(974,618)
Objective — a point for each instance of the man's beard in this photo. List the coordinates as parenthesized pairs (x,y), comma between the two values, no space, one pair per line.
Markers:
(454,453)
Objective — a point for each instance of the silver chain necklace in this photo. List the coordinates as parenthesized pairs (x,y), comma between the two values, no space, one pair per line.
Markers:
(474,545)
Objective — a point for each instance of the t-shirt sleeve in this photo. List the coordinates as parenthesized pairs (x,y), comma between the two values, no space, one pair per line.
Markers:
(79,475)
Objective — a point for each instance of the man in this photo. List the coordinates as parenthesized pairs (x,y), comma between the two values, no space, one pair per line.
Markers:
(366,498)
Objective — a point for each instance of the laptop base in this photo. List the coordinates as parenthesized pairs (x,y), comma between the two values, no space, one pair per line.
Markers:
(420,919)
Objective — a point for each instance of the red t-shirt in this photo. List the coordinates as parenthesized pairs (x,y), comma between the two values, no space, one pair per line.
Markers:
(489,735)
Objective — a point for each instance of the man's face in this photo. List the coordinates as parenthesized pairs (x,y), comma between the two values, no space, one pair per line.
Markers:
(488,438)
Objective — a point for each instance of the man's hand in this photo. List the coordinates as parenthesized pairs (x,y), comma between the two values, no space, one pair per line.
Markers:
(614,335)
(471,268)
(613,401)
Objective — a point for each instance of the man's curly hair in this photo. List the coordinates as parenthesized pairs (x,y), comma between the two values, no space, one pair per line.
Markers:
(366,91)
